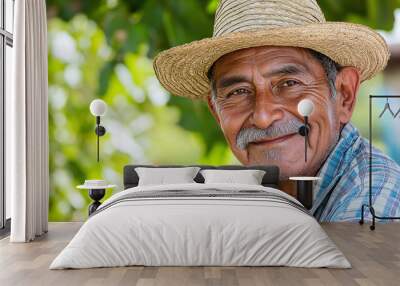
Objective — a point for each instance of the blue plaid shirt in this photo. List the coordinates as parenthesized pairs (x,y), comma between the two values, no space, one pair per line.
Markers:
(344,183)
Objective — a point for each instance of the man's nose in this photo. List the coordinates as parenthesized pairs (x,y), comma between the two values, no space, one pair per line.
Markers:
(265,111)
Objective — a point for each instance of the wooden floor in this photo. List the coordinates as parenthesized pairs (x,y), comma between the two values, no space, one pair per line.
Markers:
(374,255)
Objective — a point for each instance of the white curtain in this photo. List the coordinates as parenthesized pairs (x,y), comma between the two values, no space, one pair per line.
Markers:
(27,124)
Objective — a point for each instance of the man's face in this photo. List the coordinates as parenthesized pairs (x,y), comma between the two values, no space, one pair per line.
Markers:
(257,92)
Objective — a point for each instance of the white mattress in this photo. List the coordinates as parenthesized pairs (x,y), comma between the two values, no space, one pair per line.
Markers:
(183,231)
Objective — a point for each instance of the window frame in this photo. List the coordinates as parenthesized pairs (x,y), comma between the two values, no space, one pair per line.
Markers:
(6,39)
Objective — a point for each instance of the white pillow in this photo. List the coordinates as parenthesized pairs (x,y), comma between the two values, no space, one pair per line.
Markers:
(249,177)
(162,176)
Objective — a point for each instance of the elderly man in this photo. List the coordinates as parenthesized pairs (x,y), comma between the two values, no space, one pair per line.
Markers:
(264,57)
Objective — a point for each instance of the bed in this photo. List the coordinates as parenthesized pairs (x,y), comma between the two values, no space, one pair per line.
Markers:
(201,224)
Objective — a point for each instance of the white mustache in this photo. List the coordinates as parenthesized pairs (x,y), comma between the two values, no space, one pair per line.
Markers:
(251,134)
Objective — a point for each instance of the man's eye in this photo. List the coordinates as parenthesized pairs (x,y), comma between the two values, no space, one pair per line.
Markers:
(289,83)
(238,92)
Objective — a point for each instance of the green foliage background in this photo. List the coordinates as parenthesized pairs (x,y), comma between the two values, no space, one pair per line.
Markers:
(104,49)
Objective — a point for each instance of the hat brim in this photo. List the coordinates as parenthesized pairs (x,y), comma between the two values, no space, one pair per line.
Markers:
(182,70)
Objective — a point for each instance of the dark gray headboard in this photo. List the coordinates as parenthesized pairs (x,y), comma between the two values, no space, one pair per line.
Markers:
(270,179)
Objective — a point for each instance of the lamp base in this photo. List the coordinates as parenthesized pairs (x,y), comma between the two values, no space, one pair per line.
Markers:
(96,195)
(305,193)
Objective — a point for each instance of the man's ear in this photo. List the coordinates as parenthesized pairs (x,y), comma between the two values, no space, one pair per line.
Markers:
(347,85)
(212,108)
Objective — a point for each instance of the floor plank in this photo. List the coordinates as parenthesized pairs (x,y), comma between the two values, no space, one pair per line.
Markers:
(374,255)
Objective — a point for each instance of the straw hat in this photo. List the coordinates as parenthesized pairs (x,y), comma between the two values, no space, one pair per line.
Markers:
(240,24)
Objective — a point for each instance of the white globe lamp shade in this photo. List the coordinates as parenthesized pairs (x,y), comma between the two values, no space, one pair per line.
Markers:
(98,107)
(305,107)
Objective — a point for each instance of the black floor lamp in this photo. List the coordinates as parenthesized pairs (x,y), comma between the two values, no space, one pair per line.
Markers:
(98,108)
(370,205)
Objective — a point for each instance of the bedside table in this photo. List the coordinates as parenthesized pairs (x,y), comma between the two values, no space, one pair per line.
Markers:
(97,190)
(305,190)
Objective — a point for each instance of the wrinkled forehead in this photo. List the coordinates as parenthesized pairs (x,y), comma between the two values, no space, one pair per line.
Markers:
(263,56)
